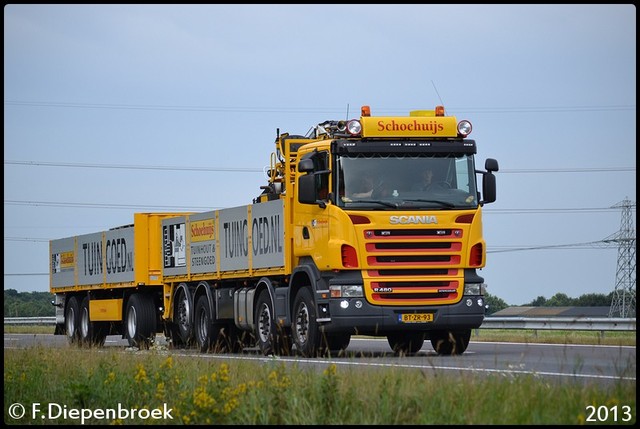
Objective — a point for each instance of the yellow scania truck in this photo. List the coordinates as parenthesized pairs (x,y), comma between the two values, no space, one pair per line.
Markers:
(371,226)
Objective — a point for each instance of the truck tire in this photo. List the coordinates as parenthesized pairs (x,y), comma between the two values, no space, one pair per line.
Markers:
(91,333)
(448,343)
(140,321)
(265,323)
(305,329)
(270,339)
(206,331)
(406,343)
(182,318)
(71,320)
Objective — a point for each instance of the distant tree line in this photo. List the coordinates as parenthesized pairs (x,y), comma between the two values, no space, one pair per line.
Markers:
(38,304)
(558,300)
(28,304)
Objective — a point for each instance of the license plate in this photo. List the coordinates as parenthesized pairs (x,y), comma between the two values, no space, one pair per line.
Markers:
(415,318)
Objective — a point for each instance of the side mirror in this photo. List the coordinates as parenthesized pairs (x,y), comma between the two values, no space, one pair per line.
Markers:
(308,191)
(307,188)
(491,164)
(488,188)
(305,165)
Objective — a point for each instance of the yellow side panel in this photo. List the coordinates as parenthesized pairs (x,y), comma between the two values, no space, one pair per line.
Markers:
(105,310)
(148,247)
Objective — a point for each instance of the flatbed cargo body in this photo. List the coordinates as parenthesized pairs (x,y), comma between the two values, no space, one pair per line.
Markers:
(239,242)
(121,257)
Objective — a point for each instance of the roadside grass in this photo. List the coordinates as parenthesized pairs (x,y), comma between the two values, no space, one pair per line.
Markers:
(28,329)
(101,386)
(613,338)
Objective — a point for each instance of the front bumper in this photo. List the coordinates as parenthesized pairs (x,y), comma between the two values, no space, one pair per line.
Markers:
(360,317)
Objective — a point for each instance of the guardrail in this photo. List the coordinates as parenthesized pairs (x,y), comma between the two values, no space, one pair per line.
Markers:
(30,320)
(561,323)
(535,323)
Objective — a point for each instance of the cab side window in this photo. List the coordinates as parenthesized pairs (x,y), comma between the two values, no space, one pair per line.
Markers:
(313,186)
(321,167)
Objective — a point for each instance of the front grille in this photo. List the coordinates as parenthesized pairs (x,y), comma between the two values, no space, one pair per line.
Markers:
(413,266)
(408,299)
(413,259)
(412,272)
(409,246)
(412,232)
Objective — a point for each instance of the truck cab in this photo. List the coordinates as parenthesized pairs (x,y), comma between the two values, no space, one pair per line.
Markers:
(388,230)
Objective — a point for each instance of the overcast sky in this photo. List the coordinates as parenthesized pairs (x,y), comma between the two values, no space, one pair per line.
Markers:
(115,109)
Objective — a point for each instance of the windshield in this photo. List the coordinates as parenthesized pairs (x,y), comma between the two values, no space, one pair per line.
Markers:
(406,182)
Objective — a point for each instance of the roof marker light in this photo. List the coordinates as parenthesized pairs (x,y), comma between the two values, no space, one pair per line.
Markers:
(354,127)
(365,111)
(464,128)
(439,110)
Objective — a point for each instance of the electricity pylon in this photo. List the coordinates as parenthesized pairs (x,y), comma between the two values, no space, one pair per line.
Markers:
(623,303)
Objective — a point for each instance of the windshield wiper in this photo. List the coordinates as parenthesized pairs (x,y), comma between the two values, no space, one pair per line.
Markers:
(381,202)
(443,203)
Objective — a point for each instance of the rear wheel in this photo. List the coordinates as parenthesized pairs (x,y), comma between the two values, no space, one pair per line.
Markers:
(182,333)
(71,320)
(451,342)
(140,321)
(206,331)
(91,333)
(270,339)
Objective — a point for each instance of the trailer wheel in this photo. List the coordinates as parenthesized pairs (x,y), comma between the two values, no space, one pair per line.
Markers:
(90,333)
(206,331)
(71,320)
(447,343)
(140,321)
(270,339)
(406,343)
(305,329)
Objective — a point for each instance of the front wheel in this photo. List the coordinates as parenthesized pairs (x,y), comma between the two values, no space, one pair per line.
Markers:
(305,329)
(450,342)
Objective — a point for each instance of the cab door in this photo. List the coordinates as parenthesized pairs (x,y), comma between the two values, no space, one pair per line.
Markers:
(310,217)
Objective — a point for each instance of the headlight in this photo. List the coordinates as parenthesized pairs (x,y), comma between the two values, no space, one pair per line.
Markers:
(475,288)
(346,291)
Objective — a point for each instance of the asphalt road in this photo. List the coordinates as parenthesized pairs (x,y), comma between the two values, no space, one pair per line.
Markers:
(559,362)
